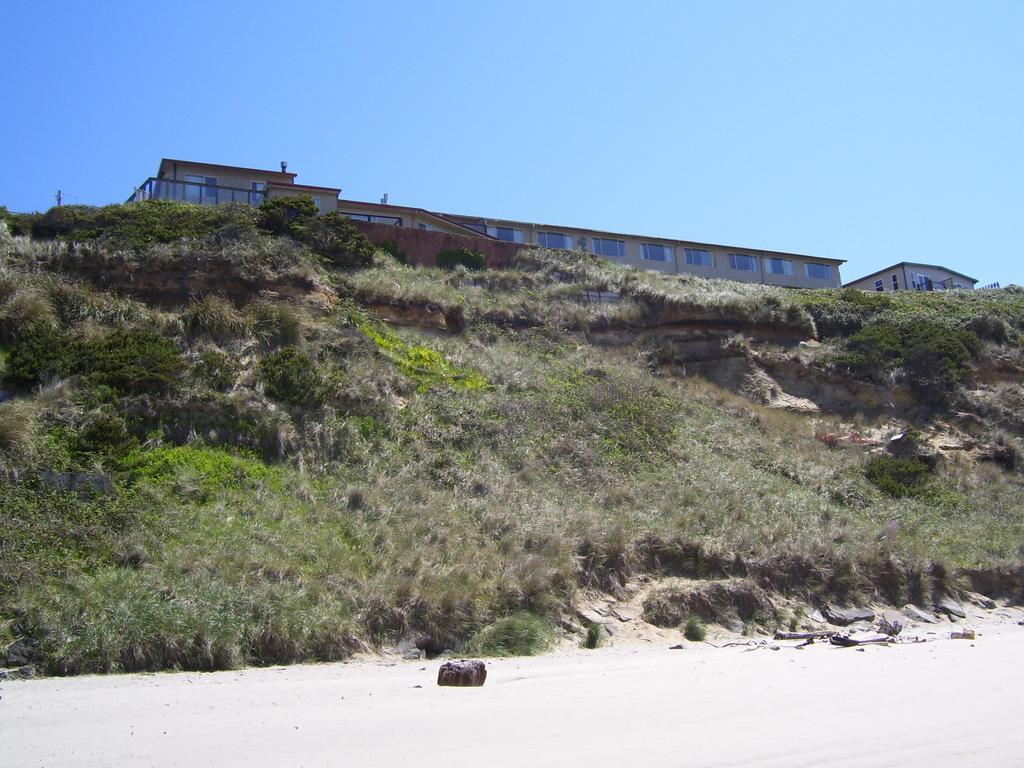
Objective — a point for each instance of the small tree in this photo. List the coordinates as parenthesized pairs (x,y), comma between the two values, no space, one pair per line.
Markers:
(285,215)
(132,361)
(290,376)
(334,237)
(42,352)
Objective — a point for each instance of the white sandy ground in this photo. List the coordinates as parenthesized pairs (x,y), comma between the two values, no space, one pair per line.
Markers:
(948,702)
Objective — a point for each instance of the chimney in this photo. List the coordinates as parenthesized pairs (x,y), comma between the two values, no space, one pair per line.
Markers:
(284,166)
(384,200)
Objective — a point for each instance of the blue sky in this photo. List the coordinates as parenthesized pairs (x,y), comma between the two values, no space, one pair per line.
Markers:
(873,131)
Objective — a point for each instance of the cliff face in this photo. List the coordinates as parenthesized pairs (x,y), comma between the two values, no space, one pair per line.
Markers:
(231,448)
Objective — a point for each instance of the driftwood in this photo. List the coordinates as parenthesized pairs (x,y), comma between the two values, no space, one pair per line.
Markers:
(780,635)
(848,641)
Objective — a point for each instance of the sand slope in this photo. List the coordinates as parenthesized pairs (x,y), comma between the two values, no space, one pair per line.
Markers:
(940,703)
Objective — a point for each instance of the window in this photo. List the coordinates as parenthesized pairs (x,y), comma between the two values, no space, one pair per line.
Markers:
(698,257)
(818,271)
(258,192)
(742,263)
(552,240)
(895,283)
(316,202)
(656,252)
(778,266)
(920,282)
(604,246)
(879,286)
(395,220)
(204,195)
(508,234)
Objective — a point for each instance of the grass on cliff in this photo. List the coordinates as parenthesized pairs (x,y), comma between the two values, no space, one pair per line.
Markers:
(460,488)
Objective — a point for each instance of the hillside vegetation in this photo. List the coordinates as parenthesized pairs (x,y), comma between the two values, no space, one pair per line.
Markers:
(233,436)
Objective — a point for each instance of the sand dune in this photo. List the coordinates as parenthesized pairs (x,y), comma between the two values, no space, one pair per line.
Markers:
(948,702)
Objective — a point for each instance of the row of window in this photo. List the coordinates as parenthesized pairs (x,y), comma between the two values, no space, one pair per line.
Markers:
(697,257)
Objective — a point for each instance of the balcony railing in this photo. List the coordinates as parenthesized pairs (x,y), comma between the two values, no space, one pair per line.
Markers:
(195,192)
(949,284)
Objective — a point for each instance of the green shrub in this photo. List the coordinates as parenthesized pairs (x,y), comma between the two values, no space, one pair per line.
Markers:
(216,468)
(135,225)
(334,237)
(463,257)
(872,351)
(274,324)
(695,629)
(19,224)
(65,220)
(899,477)
(285,215)
(7,218)
(990,327)
(933,357)
(105,433)
(215,318)
(290,376)
(42,352)
(132,361)
(521,634)
(216,370)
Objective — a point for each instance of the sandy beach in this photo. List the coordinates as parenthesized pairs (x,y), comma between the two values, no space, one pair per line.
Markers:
(943,702)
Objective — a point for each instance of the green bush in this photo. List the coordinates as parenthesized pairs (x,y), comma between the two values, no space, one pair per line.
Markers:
(334,237)
(290,376)
(217,468)
(135,225)
(933,357)
(521,634)
(285,215)
(216,370)
(105,433)
(41,352)
(991,328)
(899,477)
(132,361)
(65,220)
(274,324)
(872,351)
(461,257)
(695,629)
(9,219)
(20,224)
(935,360)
